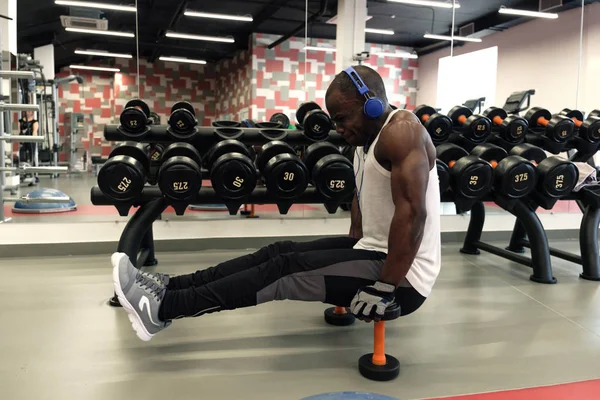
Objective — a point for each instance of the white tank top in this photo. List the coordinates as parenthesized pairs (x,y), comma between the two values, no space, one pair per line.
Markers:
(377,208)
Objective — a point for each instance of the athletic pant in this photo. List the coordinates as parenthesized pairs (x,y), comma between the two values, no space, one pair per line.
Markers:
(327,270)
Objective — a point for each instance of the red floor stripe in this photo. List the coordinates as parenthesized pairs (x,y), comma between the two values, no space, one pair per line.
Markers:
(586,390)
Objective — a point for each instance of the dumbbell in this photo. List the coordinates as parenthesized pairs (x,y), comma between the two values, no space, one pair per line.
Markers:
(180,175)
(594,113)
(511,128)
(377,365)
(470,177)
(285,175)
(281,119)
(134,118)
(330,172)
(232,172)
(443,172)
(558,128)
(475,128)
(315,122)
(124,174)
(588,128)
(153,118)
(182,121)
(514,176)
(557,177)
(438,125)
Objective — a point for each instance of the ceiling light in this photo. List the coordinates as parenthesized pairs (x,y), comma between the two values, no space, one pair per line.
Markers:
(102,53)
(94,68)
(459,38)
(380,31)
(96,5)
(99,32)
(396,55)
(428,3)
(245,18)
(526,13)
(199,37)
(316,48)
(182,60)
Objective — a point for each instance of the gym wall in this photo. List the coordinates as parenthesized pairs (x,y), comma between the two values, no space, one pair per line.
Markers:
(540,54)
(279,73)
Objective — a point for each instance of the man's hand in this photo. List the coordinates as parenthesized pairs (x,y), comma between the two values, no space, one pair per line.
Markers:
(370,302)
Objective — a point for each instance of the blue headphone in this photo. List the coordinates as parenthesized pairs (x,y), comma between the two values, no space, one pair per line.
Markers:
(373,107)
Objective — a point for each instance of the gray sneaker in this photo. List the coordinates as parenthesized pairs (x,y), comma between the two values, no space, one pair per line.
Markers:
(140,295)
(160,278)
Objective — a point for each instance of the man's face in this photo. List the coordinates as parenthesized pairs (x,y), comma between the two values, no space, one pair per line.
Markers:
(350,121)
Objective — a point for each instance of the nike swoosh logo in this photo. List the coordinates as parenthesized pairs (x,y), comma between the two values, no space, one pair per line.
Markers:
(144,301)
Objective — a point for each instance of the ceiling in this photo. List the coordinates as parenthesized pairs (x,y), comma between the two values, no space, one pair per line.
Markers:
(39,24)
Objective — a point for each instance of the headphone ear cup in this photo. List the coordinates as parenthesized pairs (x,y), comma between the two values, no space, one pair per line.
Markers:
(374,108)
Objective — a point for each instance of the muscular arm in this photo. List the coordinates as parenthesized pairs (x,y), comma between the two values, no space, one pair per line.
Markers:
(405,148)
(34,128)
(355,219)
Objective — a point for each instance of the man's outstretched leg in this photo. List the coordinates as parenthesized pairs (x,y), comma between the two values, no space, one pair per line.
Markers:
(233,266)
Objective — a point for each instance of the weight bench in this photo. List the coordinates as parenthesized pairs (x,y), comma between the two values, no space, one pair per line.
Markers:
(377,365)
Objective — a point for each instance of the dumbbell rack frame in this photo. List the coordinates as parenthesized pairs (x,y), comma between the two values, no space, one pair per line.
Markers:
(588,200)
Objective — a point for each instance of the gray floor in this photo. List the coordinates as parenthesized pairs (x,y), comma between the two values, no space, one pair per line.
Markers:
(486,327)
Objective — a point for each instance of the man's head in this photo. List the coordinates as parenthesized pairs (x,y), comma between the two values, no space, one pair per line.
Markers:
(345,105)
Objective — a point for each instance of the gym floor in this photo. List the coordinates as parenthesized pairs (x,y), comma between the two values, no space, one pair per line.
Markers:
(485,328)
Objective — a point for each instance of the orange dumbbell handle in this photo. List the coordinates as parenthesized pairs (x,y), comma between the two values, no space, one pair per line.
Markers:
(494,163)
(451,164)
(578,123)
(340,310)
(379,344)
(462,119)
(497,120)
(543,121)
(425,117)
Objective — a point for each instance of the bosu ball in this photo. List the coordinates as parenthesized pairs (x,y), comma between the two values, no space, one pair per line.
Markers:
(44,201)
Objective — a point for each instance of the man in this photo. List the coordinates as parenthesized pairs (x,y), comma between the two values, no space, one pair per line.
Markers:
(392,252)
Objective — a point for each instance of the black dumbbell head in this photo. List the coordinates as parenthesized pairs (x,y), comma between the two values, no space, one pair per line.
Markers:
(594,113)
(567,112)
(137,150)
(333,176)
(316,151)
(233,176)
(439,128)
(493,112)
(513,129)
(286,176)
(590,129)
(478,128)
(423,110)
(534,114)
(224,147)
(557,177)
(529,152)
(489,152)
(458,111)
(281,119)
(381,373)
(155,153)
(443,175)
(182,149)
(182,121)
(317,125)
(134,118)
(122,178)
(471,177)
(515,177)
(449,153)
(560,129)
(270,150)
(304,109)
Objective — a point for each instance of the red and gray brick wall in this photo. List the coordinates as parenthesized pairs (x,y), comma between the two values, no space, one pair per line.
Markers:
(286,76)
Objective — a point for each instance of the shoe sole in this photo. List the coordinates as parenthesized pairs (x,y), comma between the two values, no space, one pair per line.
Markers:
(134,318)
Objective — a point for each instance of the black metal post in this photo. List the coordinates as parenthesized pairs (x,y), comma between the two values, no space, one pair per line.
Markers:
(148,245)
(135,236)
(516,239)
(588,244)
(540,253)
(474,230)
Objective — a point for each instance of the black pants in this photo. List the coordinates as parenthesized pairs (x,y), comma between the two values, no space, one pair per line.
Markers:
(327,270)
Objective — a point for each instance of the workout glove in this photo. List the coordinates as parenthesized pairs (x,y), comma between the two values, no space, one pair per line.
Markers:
(370,302)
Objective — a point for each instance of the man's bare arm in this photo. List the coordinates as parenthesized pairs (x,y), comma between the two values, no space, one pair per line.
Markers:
(406,150)
(355,219)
